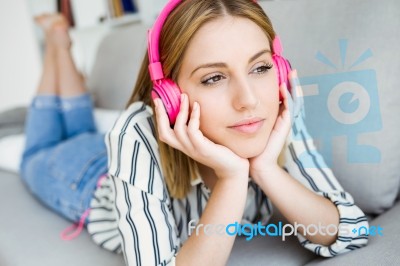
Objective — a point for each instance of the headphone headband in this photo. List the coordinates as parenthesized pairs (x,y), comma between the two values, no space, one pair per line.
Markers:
(153,36)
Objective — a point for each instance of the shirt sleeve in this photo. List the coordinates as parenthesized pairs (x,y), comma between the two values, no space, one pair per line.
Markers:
(302,161)
(145,220)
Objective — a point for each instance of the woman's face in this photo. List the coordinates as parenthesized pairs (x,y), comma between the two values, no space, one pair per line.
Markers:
(226,69)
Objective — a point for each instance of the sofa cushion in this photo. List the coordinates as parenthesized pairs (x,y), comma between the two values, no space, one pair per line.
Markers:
(30,233)
(12,121)
(116,66)
(347,58)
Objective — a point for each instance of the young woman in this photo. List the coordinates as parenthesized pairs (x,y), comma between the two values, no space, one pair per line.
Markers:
(222,147)
(220,122)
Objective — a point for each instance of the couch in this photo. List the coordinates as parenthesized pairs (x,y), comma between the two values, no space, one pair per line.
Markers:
(334,45)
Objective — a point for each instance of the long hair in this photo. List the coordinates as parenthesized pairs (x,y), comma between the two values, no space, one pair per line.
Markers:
(179,28)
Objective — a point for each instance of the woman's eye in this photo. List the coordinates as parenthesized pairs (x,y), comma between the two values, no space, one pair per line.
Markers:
(212,80)
(263,69)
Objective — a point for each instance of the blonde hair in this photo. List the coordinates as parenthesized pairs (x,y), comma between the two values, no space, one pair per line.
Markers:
(180,27)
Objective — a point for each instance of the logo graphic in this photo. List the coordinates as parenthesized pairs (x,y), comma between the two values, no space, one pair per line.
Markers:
(344,103)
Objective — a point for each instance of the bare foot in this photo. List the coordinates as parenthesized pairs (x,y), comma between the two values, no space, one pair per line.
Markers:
(56,28)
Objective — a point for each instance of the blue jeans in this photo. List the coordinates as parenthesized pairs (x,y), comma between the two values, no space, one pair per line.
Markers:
(64,155)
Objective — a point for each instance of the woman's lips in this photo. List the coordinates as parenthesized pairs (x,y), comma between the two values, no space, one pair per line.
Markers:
(248,126)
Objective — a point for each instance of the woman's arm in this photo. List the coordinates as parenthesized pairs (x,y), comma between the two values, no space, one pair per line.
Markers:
(307,192)
(225,206)
(299,204)
(307,166)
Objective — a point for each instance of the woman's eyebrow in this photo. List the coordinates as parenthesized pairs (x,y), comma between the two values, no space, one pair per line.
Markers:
(210,65)
(222,65)
(257,55)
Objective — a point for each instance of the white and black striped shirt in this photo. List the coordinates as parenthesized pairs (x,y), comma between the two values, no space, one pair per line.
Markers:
(132,211)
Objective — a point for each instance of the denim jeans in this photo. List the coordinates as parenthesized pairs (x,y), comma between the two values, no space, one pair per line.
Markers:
(64,155)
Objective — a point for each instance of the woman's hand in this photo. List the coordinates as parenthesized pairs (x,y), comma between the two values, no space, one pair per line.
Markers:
(290,108)
(187,137)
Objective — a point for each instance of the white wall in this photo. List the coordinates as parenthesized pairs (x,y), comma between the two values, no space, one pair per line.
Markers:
(20,55)
(20,63)
(149,9)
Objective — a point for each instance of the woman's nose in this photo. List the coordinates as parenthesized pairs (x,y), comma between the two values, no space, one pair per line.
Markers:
(244,95)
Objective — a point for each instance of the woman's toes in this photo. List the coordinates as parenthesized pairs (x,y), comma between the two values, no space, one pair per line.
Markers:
(48,22)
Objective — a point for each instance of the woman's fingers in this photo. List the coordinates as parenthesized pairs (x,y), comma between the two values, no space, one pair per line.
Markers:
(165,133)
(287,102)
(194,133)
(180,127)
(297,93)
(186,138)
(282,124)
(207,152)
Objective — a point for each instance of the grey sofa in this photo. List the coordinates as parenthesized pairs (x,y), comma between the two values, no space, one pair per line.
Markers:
(365,159)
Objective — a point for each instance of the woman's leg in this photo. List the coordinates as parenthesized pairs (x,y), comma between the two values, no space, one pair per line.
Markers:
(76,103)
(44,125)
(62,171)
(70,81)
(48,81)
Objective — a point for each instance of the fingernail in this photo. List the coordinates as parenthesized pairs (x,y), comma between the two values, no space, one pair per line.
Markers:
(155,103)
(182,97)
(195,106)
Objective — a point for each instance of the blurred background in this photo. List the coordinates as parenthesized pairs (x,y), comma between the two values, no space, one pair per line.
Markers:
(21,40)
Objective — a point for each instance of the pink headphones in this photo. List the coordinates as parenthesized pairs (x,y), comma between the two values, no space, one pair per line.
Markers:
(166,89)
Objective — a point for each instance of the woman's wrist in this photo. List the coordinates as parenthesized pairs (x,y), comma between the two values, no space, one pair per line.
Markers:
(234,181)
(241,172)
(242,175)
(266,173)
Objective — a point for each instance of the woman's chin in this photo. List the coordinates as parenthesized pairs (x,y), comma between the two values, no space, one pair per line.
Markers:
(249,152)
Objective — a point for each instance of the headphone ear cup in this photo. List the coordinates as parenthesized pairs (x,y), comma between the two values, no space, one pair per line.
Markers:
(170,94)
(282,70)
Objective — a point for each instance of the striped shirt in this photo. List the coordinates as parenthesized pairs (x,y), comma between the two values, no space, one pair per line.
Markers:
(133,213)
